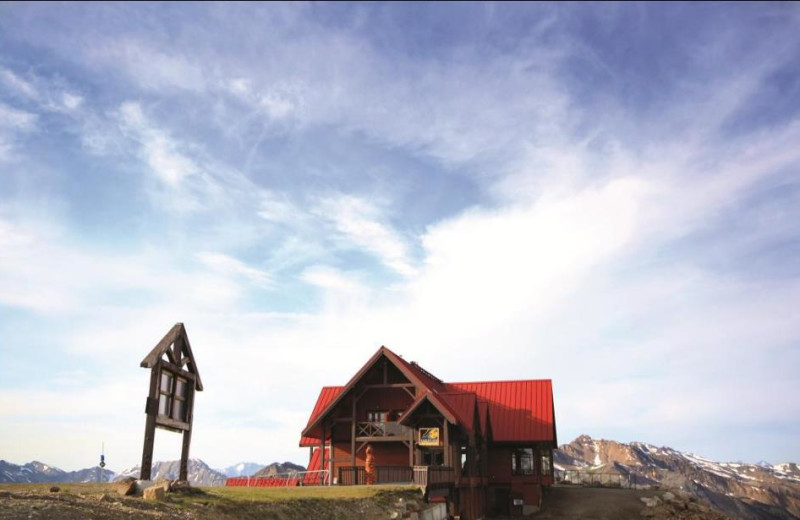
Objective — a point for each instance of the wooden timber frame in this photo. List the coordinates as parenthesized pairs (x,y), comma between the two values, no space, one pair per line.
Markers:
(174,379)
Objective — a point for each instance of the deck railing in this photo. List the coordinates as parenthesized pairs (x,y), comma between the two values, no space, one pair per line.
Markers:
(420,475)
(382,429)
(292,479)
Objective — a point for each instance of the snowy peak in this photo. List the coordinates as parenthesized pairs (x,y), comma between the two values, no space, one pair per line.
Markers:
(199,472)
(243,469)
(739,489)
(39,472)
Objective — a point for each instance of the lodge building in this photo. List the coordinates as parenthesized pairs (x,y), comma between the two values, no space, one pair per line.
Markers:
(484,447)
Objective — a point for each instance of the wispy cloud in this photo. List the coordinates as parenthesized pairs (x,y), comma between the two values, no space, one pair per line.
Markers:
(361,223)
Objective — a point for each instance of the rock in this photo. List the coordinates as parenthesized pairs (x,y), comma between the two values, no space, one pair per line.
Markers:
(55,489)
(648,513)
(394,516)
(107,498)
(155,493)
(651,501)
(668,497)
(164,484)
(141,485)
(126,486)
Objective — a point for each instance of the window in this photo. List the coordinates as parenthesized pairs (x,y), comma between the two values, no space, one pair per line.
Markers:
(464,460)
(173,396)
(376,416)
(522,461)
(546,456)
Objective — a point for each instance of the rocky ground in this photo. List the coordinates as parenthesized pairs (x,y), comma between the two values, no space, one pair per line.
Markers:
(100,502)
(585,503)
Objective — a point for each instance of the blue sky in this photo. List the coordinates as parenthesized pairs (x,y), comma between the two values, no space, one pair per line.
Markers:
(605,195)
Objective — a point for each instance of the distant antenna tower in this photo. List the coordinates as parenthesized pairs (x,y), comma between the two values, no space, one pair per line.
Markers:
(102,462)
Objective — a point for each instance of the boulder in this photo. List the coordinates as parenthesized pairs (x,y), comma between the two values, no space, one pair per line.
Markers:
(164,484)
(155,493)
(125,486)
(55,489)
(668,497)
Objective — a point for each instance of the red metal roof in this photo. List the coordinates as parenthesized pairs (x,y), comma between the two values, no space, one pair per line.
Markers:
(519,411)
(463,405)
(515,411)
(326,395)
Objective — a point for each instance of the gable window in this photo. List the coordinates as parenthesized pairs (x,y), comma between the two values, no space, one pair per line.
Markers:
(522,461)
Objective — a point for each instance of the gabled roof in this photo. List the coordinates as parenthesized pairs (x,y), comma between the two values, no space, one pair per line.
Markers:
(417,375)
(519,411)
(442,407)
(175,344)
(507,411)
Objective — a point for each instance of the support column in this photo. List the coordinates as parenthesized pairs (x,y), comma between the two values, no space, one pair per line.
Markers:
(322,452)
(353,434)
(447,451)
(184,472)
(151,409)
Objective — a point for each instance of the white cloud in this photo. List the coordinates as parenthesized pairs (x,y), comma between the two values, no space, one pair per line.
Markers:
(158,148)
(13,119)
(229,265)
(361,223)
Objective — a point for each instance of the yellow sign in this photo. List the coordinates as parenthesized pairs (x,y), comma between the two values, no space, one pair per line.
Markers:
(429,436)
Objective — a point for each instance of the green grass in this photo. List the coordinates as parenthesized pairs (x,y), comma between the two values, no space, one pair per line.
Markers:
(278,494)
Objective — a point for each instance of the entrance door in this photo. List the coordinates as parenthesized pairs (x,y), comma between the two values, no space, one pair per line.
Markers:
(432,457)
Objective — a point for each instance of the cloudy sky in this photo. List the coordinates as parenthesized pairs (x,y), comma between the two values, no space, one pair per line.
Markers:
(603,195)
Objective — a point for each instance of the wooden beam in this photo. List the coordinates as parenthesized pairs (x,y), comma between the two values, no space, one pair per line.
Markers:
(322,449)
(447,450)
(150,426)
(390,385)
(353,433)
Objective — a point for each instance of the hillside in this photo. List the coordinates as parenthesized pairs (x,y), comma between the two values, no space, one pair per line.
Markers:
(277,468)
(199,472)
(757,491)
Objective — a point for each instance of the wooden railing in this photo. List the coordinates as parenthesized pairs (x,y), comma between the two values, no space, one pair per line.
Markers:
(382,429)
(430,475)
(420,475)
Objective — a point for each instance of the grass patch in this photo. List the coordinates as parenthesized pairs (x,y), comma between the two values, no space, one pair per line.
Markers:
(278,494)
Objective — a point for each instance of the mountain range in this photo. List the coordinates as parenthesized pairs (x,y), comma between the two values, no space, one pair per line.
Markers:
(38,472)
(200,474)
(757,491)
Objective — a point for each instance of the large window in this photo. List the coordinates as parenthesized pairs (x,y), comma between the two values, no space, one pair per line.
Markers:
(522,461)
(172,396)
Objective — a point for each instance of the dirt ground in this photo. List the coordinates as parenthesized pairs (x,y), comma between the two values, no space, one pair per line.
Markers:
(569,503)
(75,503)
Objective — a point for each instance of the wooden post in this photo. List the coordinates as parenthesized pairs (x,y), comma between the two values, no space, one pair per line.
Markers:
(353,433)
(322,452)
(332,461)
(187,434)
(187,439)
(447,454)
(150,426)
(411,448)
